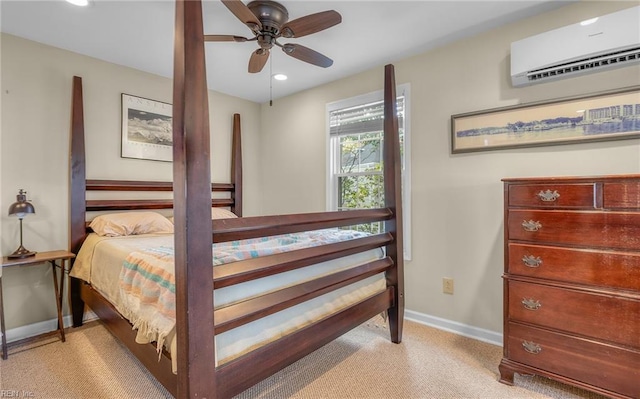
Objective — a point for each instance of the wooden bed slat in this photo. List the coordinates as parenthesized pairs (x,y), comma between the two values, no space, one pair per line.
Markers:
(115,205)
(251,269)
(247,311)
(143,185)
(261,226)
(242,373)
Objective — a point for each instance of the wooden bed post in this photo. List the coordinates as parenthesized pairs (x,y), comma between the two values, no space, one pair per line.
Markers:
(77,196)
(192,207)
(236,167)
(393,201)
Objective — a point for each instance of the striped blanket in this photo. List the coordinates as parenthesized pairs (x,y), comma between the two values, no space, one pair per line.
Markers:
(147,280)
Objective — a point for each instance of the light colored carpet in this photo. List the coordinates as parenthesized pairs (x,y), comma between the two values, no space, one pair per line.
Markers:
(361,364)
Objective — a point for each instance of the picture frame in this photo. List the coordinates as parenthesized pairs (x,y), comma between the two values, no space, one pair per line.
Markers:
(147,131)
(611,115)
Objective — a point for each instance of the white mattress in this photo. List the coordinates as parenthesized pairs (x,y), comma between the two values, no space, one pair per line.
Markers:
(100,261)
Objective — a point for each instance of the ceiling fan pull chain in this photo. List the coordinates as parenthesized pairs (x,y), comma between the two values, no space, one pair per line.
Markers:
(271,81)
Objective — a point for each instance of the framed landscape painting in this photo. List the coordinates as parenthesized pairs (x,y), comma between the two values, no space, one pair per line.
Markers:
(612,115)
(146,129)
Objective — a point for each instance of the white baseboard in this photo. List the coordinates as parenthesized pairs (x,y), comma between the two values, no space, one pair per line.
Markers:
(31,330)
(455,327)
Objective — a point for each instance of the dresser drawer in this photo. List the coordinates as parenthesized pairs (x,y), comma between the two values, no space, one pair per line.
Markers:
(605,366)
(599,229)
(606,317)
(552,195)
(581,266)
(623,195)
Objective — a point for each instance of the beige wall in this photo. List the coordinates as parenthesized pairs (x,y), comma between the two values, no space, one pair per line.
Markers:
(457,199)
(36,109)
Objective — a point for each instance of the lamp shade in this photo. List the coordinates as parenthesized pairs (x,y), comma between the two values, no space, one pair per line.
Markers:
(21,207)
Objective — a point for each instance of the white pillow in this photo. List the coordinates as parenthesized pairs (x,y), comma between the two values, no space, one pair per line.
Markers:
(130,223)
(218,213)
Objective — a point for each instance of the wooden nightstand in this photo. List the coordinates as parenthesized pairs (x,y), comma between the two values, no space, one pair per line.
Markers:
(52,257)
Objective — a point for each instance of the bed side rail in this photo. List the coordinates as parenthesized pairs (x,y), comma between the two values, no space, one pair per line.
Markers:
(145,204)
(251,269)
(247,311)
(236,315)
(261,226)
(143,185)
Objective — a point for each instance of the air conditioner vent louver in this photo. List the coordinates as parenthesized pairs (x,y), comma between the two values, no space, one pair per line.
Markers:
(605,60)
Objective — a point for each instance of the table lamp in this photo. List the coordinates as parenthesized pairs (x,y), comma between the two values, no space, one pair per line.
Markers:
(20,209)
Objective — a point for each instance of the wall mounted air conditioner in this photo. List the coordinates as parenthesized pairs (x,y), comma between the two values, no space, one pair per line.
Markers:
(609,41)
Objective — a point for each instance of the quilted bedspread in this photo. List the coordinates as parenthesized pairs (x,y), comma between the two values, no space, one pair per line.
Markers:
(147,280)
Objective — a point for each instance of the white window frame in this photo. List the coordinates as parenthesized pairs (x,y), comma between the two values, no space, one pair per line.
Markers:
(333,157)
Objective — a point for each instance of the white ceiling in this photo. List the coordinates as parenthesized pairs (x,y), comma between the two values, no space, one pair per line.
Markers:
(139,34)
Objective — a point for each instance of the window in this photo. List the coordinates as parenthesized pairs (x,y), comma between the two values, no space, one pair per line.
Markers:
(355,179)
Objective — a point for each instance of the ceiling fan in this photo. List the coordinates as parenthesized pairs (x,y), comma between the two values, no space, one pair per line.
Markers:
(269,21)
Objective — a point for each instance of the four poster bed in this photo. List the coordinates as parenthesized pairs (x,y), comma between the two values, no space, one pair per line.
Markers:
(301,297)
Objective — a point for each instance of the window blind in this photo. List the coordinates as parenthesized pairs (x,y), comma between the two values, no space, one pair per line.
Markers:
(365,118)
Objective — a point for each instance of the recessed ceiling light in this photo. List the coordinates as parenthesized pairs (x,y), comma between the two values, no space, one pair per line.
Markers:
(81,3)
(280,76)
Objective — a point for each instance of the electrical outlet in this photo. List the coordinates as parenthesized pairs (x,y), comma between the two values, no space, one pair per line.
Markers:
(447,285)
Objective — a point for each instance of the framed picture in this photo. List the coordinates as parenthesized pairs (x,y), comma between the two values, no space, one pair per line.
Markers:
(146,129)
(611,115)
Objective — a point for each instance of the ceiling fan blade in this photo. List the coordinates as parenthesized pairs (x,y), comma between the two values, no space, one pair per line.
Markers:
(224,38)
(244,14)
(307,55)
(310,24)
(258,59)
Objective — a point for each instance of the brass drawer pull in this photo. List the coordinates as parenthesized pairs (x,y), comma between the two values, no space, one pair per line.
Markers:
(531,261)
(548,196)
(531,225)
(531,347)
(531,304)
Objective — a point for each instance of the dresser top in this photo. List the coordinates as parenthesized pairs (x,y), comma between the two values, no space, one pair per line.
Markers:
(574,179)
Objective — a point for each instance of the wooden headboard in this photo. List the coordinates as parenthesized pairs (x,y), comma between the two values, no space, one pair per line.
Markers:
(79,185)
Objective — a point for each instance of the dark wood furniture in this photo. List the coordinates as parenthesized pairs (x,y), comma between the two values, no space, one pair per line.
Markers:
(197,323)
(51,257)
(572,282)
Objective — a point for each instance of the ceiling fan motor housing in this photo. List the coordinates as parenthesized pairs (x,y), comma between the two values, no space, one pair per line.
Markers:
(271,14)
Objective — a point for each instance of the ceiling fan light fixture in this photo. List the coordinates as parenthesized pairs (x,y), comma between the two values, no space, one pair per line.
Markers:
(280,76)
(81,3)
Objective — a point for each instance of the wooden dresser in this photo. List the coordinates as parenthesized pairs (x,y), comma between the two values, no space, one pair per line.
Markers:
(572,282)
